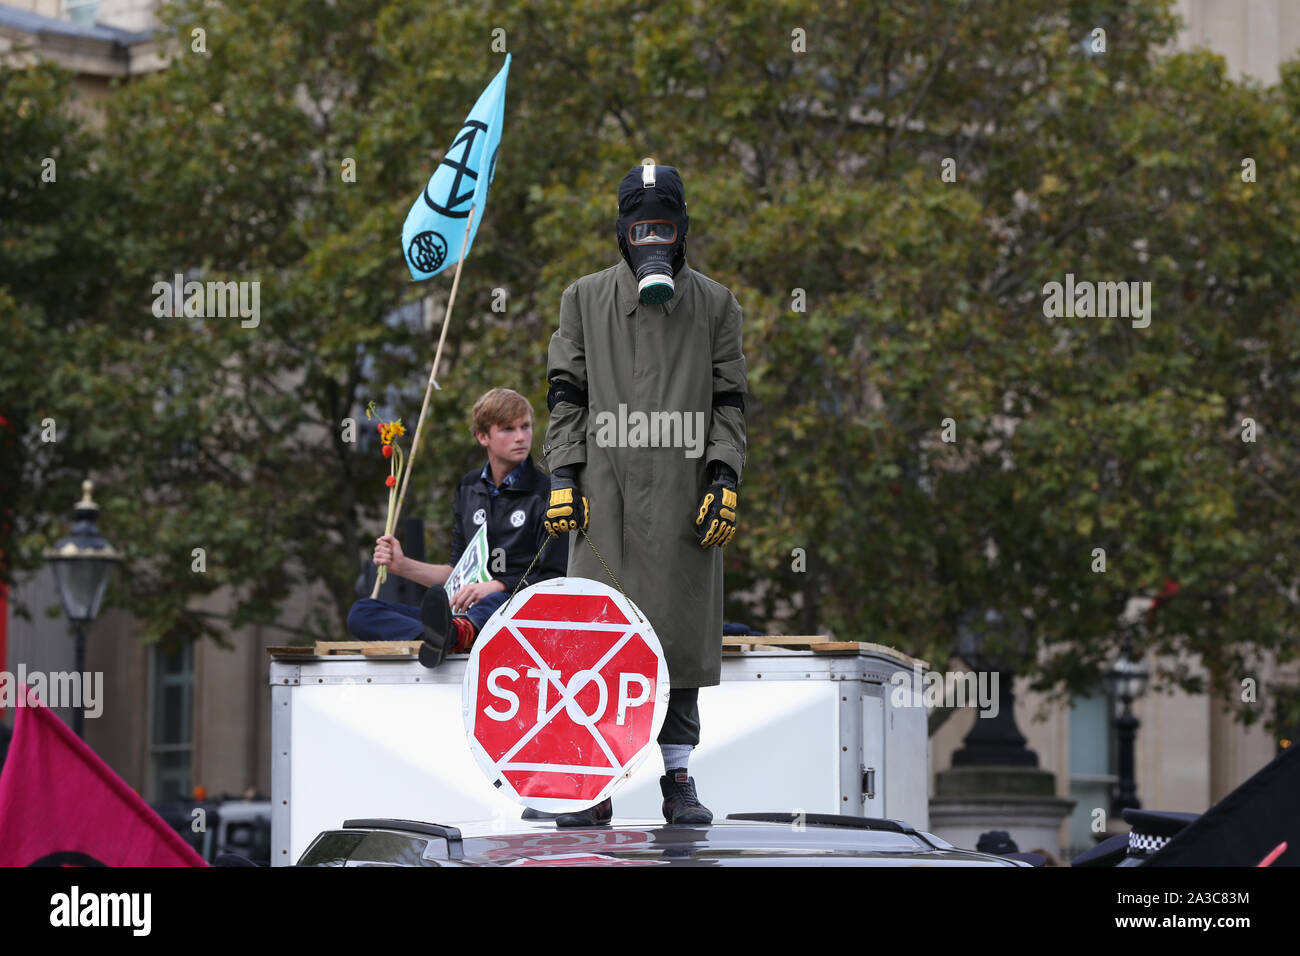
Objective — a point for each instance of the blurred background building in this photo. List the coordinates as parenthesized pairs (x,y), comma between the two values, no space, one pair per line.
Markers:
(200,715)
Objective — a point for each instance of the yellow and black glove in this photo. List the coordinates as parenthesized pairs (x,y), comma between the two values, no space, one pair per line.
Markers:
(562,514)
(715,521)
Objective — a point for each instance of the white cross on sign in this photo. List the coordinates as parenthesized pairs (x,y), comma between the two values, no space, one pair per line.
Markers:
(565,691)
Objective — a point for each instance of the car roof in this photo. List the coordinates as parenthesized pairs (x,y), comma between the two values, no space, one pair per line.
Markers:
(763,840)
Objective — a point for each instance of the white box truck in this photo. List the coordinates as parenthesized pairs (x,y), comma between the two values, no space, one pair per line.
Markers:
(794,731)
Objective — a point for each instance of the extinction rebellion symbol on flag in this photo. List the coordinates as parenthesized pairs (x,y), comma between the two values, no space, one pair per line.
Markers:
(454,204)
(566,689)
(428,250)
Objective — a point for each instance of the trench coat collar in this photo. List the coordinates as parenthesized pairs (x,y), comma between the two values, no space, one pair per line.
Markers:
(627,295)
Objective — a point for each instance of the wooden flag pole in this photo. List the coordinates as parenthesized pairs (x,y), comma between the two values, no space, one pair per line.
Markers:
(428,389)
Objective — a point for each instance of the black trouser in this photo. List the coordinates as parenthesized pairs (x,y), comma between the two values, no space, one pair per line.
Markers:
(682,722)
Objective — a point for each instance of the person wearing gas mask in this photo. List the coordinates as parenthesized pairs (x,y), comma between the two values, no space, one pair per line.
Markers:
(651,335)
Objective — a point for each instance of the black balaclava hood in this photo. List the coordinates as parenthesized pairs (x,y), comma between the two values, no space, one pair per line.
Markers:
(651,228)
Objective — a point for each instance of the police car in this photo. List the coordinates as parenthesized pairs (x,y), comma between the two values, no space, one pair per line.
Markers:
(225,825)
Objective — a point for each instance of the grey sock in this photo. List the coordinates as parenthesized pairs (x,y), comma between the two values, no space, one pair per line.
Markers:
(676,756)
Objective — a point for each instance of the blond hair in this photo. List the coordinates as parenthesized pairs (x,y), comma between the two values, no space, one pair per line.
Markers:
(501,407)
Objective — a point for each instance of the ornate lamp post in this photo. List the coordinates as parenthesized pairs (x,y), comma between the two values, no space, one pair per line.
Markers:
(82,563)
(1127,681)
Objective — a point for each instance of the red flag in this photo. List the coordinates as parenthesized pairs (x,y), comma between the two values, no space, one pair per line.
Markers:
(59,803)
(1273,854)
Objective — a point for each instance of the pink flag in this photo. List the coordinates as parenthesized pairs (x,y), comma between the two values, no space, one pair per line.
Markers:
(61,805)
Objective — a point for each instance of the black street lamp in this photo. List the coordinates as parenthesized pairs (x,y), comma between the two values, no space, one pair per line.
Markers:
(1127,681)
(82,563)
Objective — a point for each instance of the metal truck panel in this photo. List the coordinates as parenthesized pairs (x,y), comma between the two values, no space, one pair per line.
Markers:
(787,731)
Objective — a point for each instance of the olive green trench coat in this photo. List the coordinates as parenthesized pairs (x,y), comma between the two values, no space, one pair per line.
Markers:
(646,437)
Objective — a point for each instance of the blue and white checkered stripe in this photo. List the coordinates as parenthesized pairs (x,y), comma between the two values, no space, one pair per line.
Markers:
(1143,844)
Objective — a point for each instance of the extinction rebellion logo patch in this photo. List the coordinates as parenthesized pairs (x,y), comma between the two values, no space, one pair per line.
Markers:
(427,251)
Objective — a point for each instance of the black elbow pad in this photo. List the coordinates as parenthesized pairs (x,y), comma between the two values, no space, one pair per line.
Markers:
(729,398)
(561,391)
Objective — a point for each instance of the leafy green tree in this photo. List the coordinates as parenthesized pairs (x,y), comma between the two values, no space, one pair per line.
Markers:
(887,188)
(55,249)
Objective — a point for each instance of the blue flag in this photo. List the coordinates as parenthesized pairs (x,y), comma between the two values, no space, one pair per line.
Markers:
(435,227)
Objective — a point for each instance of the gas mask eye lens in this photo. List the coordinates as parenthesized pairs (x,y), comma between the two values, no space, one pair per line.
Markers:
(652,232)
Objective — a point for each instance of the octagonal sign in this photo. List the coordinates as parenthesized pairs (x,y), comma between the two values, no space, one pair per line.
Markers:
(565,691)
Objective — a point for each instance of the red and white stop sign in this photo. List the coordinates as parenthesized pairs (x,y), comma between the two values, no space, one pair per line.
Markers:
(565,691)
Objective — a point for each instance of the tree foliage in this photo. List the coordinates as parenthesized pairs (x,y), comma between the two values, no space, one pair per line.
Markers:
(813,176)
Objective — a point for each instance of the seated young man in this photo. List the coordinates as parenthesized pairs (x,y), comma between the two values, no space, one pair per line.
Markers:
(511,495)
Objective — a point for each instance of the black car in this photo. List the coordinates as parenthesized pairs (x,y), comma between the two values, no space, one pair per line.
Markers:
(743,839)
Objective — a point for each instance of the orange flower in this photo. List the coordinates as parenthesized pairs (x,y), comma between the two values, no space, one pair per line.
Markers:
(390,430)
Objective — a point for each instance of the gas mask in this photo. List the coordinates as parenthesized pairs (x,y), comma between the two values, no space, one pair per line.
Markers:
(651,228)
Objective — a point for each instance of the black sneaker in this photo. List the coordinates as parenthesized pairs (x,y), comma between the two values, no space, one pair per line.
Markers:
(681,805)
(439,631)
(597,816)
